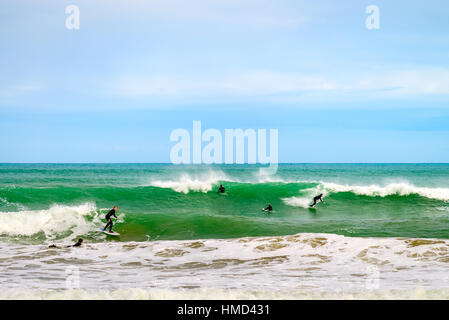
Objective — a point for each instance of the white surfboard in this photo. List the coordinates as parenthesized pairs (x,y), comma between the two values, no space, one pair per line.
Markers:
(109,233)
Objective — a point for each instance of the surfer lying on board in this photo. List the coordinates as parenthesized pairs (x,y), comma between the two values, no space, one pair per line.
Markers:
(316,199)
(108,218)
(221,189)
(77,244)
(269,208)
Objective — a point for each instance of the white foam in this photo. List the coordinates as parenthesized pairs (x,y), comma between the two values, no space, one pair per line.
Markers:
(51,222)
(402,189)
(373,190)
(203,182)
(306,200)
(307,263)
(303,202)
(417,293)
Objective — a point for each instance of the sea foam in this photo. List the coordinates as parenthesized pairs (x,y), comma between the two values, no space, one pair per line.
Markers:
(374,190)
(417,293)
(295,266)
(402,189)
(203,182)
(55,220)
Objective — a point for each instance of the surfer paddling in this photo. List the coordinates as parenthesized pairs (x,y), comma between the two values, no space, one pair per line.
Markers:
(316,199)
(269,208)
(77,244)
(110,214)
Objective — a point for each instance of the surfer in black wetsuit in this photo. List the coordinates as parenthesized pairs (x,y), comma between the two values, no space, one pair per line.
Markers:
(108,218)
(78,244)
(221,189)
(316,199)
(269,208)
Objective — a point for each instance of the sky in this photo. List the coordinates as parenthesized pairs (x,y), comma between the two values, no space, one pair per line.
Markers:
(114,89)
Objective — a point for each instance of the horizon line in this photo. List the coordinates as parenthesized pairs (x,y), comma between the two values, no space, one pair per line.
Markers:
(222,164)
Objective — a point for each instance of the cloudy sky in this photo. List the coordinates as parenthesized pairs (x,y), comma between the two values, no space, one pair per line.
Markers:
(135,70)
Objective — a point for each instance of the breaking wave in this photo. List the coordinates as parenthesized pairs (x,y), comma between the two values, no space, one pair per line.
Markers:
(51,222)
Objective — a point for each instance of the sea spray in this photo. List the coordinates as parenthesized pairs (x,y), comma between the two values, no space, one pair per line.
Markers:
(51,222)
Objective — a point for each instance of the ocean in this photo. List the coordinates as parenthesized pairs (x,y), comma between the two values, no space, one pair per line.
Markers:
(381,233)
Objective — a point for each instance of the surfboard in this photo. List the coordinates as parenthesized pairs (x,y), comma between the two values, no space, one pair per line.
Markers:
(109,233)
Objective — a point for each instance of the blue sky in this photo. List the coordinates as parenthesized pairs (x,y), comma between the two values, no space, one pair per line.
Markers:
(113,90)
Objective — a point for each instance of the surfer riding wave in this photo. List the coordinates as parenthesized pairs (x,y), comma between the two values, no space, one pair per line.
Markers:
(316,199)
(110,214)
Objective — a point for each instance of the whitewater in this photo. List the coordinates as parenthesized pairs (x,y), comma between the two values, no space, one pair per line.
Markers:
(382,232)
(297,266)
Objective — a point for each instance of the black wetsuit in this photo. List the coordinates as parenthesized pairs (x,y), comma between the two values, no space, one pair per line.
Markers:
(316,199)
(221,189)
(78,244)
(108,218)
(269,208)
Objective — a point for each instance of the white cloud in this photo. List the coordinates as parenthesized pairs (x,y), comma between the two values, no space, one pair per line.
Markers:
(417,81)
(250,83)
(260,83)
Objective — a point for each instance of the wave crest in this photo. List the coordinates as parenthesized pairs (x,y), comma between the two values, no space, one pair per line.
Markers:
(402,189)
(51,222)
(187,182)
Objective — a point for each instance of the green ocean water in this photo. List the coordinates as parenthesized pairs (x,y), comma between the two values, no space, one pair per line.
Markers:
(39,202)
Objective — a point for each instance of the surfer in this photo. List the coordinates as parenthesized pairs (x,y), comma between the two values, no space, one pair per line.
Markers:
(269,208)
(77,244)
(221,189)
(108,218)
(316,199)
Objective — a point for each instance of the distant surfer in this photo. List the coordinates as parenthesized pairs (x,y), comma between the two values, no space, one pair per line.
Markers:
(269,208)
(77,244)
(316,199)
(221,189)
(110,214)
